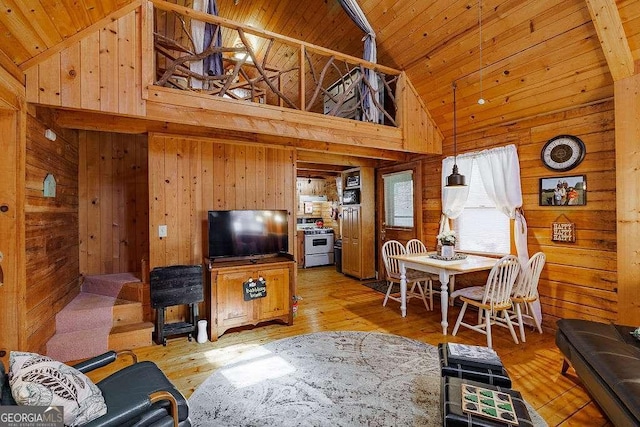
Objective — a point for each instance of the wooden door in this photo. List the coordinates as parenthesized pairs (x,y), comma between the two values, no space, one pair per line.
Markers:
(276,303)
(233,310)
(399,228)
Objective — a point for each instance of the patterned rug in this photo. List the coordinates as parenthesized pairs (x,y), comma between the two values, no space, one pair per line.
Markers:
(326,379)
(382,286)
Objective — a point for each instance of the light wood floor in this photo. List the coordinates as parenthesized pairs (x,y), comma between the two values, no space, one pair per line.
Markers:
(332,301)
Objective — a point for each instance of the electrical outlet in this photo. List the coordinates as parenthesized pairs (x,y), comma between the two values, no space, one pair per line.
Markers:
(162,231)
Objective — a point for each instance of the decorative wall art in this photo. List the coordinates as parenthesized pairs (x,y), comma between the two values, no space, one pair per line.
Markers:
(563,231)
(563,191)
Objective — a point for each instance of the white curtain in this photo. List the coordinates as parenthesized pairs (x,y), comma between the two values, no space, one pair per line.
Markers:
(370,54)
(500,173)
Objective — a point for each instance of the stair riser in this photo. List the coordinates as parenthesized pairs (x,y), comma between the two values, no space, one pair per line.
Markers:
(130,339)
(127,313)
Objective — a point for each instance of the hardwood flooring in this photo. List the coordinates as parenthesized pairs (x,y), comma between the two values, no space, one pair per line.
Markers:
(332,301)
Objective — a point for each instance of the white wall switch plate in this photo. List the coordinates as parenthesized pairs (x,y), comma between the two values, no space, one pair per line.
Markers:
(162,231)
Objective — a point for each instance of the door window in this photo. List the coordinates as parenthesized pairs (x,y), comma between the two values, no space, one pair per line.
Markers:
(398,199)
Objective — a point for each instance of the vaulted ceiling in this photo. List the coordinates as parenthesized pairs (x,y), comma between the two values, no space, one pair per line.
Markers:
(538,56)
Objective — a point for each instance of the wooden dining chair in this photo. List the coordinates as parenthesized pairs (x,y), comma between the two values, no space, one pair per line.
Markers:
(525,293)
(392,267)
(493,300)
(415,246)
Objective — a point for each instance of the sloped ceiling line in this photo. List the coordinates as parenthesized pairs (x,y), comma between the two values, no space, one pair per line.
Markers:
(613,39)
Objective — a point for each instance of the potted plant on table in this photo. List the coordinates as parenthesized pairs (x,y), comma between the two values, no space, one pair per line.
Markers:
(447,241)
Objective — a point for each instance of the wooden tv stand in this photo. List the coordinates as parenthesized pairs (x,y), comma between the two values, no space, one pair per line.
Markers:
(227,306)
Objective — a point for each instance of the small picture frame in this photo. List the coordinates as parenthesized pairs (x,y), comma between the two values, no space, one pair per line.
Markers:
(563,191)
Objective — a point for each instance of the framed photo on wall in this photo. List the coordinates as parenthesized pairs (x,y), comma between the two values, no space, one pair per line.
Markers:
(563,191)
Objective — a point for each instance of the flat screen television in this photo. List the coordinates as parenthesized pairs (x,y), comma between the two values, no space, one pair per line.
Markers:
(248,233)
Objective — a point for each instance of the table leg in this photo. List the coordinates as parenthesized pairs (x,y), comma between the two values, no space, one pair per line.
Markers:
(403,289)
(444,300)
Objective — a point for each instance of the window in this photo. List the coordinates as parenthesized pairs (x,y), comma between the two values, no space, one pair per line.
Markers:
(481,227)
(398,199)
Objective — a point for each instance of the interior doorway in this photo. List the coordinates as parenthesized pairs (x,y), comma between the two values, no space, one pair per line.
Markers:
(399,205)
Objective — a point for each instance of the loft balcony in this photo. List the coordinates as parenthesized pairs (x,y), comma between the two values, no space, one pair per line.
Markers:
(146,68)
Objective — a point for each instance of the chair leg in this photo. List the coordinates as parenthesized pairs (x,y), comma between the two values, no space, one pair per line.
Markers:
(430,285)
(460,316)
(487,320)
(452,287)
(510,325)
(423,296)
(520,321)
(535,319)
(386,296)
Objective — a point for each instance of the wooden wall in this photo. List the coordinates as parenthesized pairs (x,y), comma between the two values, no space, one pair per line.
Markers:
(579,279)
(114,202)
(51,229)
(98,69)
(421,135)
(190,176)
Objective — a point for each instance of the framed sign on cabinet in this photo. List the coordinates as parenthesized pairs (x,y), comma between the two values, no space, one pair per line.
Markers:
(563,191)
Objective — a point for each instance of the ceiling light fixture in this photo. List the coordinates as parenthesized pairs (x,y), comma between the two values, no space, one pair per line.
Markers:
(455,179)
(481,100)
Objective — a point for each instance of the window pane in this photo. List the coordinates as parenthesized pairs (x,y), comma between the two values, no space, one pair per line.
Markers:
(481,227)
(398,199)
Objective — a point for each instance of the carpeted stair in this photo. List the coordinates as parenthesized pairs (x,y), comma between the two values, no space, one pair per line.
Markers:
(108,314)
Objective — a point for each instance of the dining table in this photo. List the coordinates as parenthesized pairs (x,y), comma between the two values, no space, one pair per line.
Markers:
(446,269)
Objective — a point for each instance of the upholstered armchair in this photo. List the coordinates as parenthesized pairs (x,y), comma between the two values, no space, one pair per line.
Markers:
(138,394)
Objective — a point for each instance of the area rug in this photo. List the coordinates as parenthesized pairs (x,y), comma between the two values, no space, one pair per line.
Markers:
(382,286)
(326,379)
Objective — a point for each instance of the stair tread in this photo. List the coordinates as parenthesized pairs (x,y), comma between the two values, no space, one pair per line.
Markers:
(128,327)
(87,301)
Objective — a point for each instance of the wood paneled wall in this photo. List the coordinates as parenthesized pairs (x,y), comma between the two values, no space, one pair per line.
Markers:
(579,279)
(421,135)
(114,202)
(190,176)
(98,69)
(51,229)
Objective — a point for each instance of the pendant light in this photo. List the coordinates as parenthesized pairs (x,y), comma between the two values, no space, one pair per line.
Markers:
(455,179)
(481,100)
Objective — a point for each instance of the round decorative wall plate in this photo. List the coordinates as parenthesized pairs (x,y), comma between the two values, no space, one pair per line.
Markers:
(563,152)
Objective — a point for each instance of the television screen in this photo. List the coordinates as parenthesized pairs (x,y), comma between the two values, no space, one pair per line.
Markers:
(246,233)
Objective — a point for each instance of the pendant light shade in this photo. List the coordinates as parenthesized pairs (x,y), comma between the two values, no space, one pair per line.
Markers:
(455,179)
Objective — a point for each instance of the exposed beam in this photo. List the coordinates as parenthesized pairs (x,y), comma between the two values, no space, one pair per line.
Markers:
(333,159)
(613,39)
(627,111)
(322,152)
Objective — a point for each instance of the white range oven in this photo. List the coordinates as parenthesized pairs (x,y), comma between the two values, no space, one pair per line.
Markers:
(318,247)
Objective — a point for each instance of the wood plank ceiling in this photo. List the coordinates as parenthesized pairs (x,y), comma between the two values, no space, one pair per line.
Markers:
(538,56)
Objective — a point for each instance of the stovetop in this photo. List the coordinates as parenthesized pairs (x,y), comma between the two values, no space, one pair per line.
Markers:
(318,230)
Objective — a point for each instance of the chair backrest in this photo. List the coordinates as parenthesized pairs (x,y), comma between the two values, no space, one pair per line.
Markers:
(529,276)
(500,282)
(390,248)
(415,246)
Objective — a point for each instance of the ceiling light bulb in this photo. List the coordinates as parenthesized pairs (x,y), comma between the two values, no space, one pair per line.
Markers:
(481,101)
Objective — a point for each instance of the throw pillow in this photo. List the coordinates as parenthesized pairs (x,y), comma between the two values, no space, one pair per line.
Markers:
(41,381)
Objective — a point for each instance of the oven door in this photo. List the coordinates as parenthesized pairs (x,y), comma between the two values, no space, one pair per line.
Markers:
(318,249)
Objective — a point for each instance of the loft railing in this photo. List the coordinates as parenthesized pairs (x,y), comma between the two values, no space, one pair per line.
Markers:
(267,68)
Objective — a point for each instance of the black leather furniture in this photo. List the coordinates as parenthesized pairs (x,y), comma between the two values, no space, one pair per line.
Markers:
(139,394)
(606,357)
(487,374)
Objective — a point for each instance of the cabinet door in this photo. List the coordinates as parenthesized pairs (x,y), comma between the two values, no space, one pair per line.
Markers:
(233,310)
(351,241)
(277,301)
